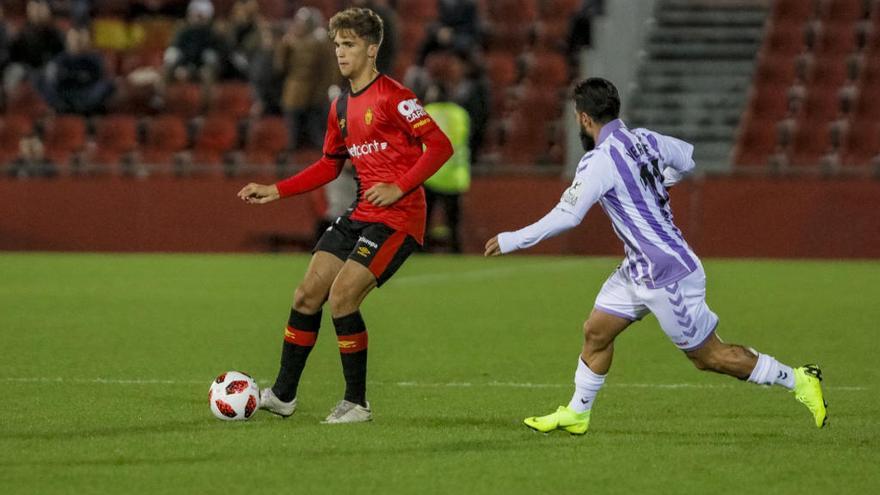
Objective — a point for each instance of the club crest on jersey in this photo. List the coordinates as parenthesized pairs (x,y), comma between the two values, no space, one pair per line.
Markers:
(368,117)
(411,110)
(364,251)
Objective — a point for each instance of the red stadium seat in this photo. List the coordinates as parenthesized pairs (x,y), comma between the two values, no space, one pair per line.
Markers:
(12,129)
(513,11)
(25,100)
(755,145)
(266,139)
(842,10)
(811,141)
(547,69)
(769,102)
(785,39)
(775,70)
(863,143)
(184,99)
(793,10)
(166,136)
(115,135)
(501,69)
(509,38)
(837,39)
(64,136)
(412,10)
(216,136)
(233,100)
(558,9)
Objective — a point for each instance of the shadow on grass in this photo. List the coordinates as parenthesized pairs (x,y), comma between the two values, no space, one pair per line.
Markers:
(118,461)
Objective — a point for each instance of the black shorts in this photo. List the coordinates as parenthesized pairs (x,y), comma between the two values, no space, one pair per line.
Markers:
(377,246)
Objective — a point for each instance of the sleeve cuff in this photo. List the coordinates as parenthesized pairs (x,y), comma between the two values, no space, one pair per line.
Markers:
(507,242)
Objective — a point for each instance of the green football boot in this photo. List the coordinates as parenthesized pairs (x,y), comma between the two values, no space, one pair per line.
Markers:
(808,391)
(563,419)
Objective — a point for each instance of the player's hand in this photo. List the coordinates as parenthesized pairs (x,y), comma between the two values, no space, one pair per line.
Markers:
(492,247)
(383,194)
(258,194)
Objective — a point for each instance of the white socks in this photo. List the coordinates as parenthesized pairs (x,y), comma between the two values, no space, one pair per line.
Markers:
(586,386)
(769,371)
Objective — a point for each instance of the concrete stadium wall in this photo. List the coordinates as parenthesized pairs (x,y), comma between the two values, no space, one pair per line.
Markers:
(726,217)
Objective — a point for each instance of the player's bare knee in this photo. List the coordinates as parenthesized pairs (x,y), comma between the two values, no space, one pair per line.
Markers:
(343,299)
(594,339)
(307,300)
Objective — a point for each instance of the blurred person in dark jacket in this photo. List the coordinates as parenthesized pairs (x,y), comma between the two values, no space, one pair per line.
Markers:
(197,52)
(265,78)
(243,36)
(75,81)
(457,28)
(307,59)
(38,42)
(32,161)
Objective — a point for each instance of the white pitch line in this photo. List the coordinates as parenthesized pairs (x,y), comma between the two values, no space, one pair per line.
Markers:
(115,381)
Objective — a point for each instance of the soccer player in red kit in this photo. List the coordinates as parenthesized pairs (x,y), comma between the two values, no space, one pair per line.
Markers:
(395,146)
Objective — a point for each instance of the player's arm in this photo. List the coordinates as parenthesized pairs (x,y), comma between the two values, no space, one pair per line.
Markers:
(410,117)
(592,181)
(438,149)
(327,168)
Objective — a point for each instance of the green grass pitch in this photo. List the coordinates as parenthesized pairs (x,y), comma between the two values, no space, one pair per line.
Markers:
(105,363)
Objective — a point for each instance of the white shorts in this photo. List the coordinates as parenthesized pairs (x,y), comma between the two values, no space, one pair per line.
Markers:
(680,307)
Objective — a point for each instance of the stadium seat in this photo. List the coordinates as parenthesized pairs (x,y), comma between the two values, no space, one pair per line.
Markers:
(184,99)
(775,69)
(837,39)
(547,69)
(561,10)
(513,11)
(231,99)
(25,100)
(115,135)
(12,129)
(64,136)
(214,138)
(421,10)
(509,38)
(841,10)
(811,141)
(166,135)
(277,9)
(863,143)
(785,39)
(769,102)
(755,145)
(501,69)
(266,139)
(793,10)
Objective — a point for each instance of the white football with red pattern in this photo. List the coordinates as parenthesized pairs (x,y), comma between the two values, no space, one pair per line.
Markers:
(234,396)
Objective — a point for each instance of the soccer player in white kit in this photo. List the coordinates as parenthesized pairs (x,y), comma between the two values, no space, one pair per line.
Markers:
(628,173)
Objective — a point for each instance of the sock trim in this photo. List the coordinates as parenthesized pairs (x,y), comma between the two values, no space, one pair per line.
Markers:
(300,337)
(349,344)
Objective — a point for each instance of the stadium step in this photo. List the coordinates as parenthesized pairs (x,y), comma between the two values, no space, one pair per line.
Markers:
(695,73)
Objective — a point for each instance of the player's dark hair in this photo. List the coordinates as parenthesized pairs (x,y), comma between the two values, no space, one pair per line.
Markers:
(598,98)
(363,22)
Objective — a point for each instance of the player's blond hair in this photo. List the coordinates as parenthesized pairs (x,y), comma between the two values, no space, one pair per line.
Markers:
(363,22)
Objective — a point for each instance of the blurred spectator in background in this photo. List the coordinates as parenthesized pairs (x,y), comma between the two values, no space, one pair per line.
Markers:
(453,179)
(32,161)
(197,52)
(307,58)
(388,48)
(149,8)
(75,80)
(4,43)
(471,90)
(580,29)
(457,28)
(36,44)
(265,78)
(243,36)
